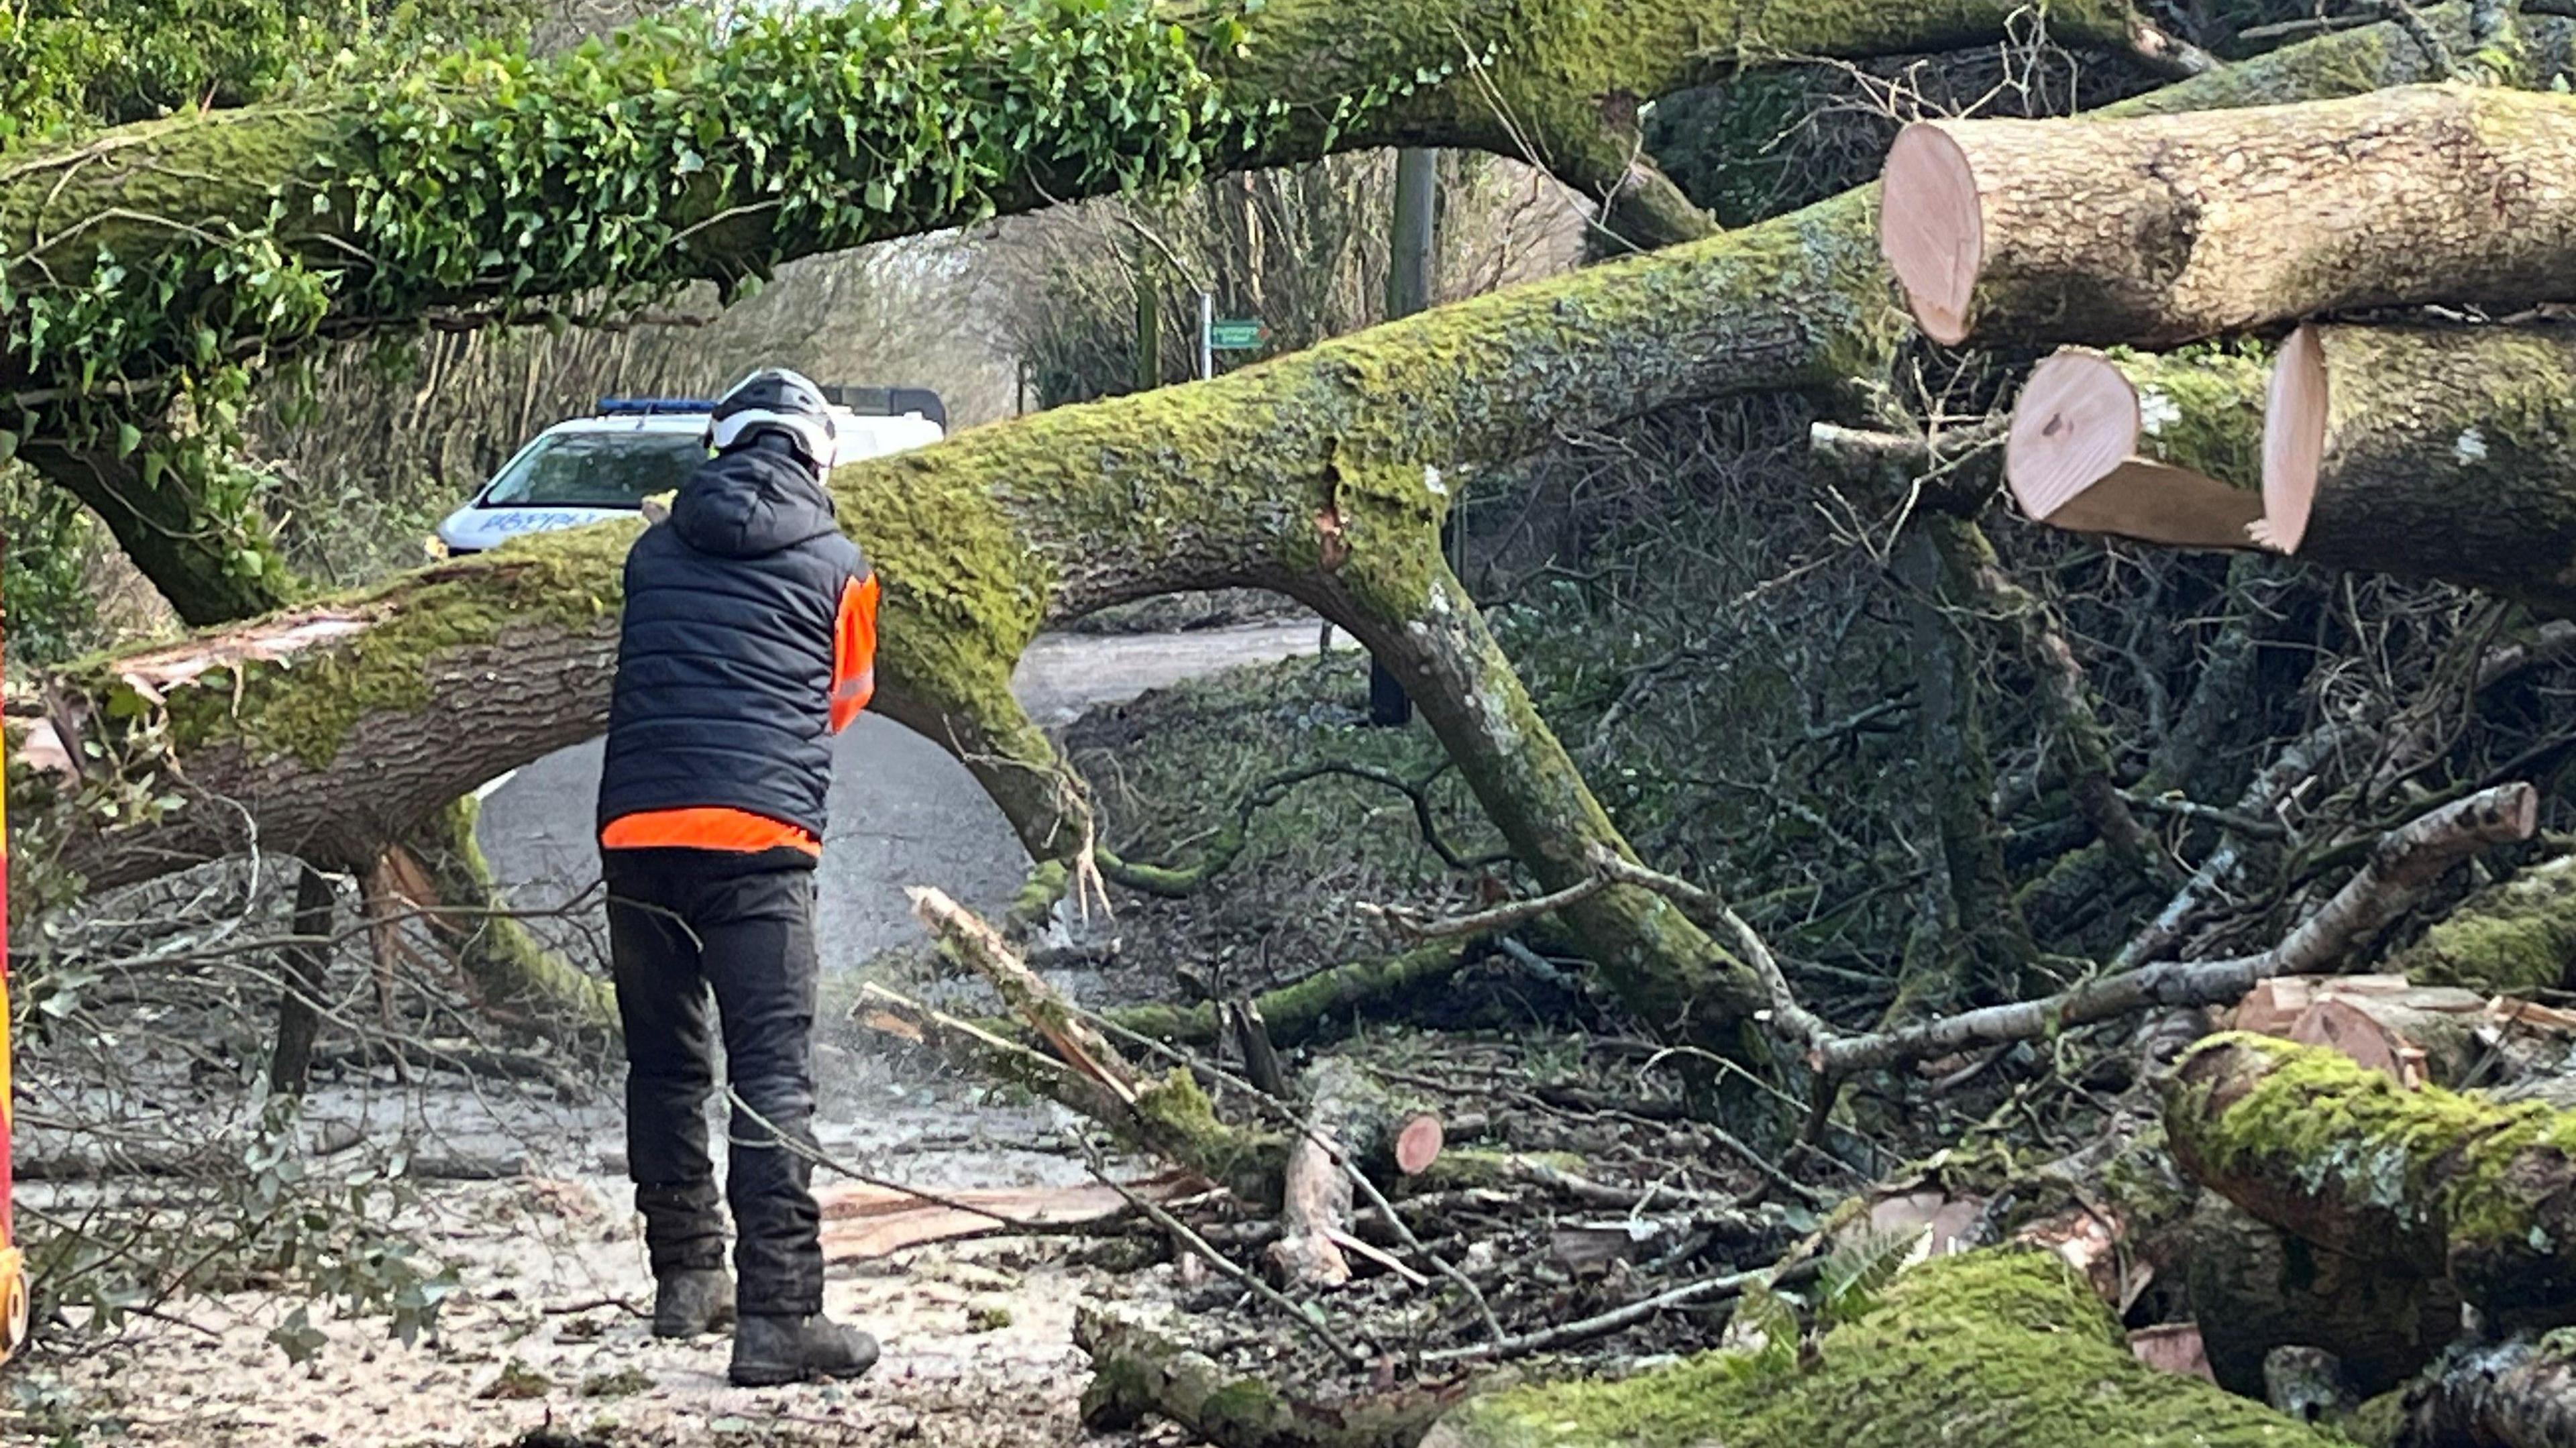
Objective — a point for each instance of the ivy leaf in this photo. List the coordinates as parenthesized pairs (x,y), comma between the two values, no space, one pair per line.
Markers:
(880,196)
(128,438)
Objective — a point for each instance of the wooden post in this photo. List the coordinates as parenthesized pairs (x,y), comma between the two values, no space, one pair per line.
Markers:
(1149,325)
(1408,290)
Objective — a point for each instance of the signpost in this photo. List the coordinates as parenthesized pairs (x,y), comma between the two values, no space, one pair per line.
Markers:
(1237,334)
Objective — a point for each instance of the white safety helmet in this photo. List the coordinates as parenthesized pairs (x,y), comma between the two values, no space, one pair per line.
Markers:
(777,400)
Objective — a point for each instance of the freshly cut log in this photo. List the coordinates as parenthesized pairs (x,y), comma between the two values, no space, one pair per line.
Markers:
(2442,452)
(2430,1181)
(2161,449)
(2413,1035)
(2162,229)
(1353,1124)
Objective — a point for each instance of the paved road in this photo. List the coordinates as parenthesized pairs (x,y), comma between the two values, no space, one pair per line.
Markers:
(903,812)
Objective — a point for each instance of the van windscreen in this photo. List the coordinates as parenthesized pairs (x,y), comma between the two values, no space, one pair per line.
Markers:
(597,469)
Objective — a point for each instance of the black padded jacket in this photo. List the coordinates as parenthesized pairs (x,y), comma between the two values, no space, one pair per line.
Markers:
(724,661)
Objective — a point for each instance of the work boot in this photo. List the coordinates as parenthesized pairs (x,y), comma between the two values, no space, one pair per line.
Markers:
(690,1300)
(768,1351)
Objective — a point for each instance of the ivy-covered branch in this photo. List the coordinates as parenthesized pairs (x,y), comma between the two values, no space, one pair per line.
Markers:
(679,150)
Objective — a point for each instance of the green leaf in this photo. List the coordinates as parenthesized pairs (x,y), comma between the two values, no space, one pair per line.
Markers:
(128,438)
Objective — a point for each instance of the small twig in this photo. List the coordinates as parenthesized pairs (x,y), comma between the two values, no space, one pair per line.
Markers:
(1484,922)
(1603,1324)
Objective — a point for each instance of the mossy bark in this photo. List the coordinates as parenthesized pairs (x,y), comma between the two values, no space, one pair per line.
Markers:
(1140,1367)
(1991,1349)
(2431,1181)
(1307,1010)
(2510,939)
(1308,77)
(509,970)
(2449,453)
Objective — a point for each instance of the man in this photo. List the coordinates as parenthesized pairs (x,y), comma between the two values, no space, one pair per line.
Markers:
(749,639)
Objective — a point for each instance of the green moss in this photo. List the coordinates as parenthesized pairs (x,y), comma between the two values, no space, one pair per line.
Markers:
(2202,408)
(2440,1164)
(2513,939)
(303,706)
(1178,1122)
(1987,1348)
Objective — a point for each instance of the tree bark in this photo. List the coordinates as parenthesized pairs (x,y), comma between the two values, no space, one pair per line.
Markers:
(2001,1348)
(2515,1394)
(1351,1119)
(1140,1367)
(2161,449)
(299,1005)
(2429,1181)
(2428,452)
(2255,1288)
(2156,231)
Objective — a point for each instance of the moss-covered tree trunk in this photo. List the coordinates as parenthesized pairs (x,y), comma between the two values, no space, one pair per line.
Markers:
(451,193)
(2431,1181)
(2430,452)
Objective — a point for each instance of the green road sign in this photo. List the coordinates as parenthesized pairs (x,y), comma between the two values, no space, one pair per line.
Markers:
(1237,334)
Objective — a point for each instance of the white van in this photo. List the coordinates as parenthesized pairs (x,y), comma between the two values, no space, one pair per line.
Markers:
(590,469)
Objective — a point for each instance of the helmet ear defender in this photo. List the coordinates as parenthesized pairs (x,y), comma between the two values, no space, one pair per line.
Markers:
(775,400)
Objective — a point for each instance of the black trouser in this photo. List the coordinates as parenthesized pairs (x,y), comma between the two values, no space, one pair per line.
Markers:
(680,922)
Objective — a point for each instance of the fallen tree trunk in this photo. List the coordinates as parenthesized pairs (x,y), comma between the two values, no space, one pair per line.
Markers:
(1999,1349)
(1139,1368)
(2436,1183)
(1352,1124)
(2509,939)
(2161,449)
(684,154)
(1320,475)
(1306,1010)
(2156,231)
(2429,452)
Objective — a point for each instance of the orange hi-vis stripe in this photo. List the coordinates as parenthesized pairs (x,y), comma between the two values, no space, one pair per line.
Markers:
(734,831)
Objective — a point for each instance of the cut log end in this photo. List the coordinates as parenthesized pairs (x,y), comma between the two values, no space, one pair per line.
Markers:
(1417,1143)
(2294,440)
(2075,458)
(1932,230)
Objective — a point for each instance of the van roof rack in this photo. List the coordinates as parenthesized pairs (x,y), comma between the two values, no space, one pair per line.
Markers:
(889,402)
(651,406)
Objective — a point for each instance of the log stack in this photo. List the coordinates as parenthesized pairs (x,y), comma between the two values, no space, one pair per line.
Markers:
(2427,447)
